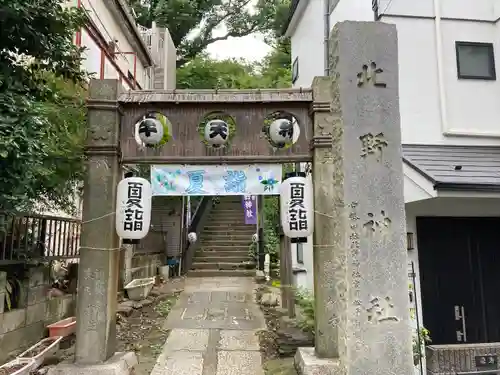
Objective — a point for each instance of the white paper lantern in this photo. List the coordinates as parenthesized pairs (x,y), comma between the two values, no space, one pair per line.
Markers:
(192,237)
(216,133)
(297,206)
(133,208)
(281,132)
(150,131)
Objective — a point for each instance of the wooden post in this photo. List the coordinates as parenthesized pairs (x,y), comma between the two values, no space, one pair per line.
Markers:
(260,225)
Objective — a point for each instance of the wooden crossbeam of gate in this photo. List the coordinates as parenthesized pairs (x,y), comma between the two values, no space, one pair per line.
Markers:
(186,108)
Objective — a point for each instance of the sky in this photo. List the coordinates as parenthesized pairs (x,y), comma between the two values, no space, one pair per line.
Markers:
(250,47)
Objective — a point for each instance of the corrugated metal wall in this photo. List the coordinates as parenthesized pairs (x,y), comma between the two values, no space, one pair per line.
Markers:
(165,227)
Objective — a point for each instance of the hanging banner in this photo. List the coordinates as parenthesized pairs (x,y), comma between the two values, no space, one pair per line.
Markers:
(248,179)
(250,209)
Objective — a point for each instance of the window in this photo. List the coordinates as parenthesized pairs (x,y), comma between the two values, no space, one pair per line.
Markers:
(295,70)
(475,61)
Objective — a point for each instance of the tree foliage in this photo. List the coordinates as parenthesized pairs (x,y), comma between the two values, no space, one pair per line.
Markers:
(41,103)
(195,24)
(204,72)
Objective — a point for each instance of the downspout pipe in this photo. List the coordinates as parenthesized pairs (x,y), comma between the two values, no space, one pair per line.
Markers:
(326,37)
(440,69)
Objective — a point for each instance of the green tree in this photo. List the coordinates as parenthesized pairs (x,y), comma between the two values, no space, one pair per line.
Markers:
(195,24)
(41,103)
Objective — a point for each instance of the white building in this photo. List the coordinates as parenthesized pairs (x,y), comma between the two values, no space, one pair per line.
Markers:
(449,51)
(117,48)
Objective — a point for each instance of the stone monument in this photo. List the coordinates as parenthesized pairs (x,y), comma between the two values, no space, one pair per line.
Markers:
(360,265)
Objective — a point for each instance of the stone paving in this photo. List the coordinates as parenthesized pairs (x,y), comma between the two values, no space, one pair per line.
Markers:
(213,330)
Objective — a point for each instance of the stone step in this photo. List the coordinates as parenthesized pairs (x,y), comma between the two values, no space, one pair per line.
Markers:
(219,273)
(223,241)
(227,235)
(221,265)
(224,248)
(226,219)
(244,229)
(221,259)
(218,254)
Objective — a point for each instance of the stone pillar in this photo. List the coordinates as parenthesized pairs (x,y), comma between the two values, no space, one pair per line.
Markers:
(360,262)
(3,285)
(98,272)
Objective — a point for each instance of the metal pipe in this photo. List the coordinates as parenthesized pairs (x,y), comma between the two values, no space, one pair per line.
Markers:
(326,39)
(440,68)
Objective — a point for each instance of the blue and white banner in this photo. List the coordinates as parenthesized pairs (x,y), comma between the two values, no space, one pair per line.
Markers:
(248,179)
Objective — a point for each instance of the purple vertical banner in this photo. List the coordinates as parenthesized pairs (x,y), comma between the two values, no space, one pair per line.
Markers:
(250,209)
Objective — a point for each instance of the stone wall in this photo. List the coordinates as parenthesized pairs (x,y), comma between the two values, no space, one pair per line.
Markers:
(24,326)
(145,265)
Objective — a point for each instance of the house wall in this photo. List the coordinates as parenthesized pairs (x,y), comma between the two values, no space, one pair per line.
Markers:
(105,28)
(26,325)
(307,44)
(436,107)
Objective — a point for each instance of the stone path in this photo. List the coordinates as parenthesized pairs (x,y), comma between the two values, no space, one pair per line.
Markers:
(213,330)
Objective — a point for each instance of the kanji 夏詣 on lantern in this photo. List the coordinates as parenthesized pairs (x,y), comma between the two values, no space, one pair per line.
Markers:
(297,206)
(133,208)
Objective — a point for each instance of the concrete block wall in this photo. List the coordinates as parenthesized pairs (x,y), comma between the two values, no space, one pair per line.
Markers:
(3,284)
(24,326)
(145,265)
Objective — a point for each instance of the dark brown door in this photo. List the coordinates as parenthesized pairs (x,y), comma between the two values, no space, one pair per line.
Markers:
(458,259)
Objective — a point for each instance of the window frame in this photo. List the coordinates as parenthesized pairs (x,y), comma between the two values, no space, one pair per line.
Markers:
(295,70)
(491,58)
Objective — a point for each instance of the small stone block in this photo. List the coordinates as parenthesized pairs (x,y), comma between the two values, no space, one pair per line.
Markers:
(187,339)
(239,362)
(119,364)
(38,276)
(3,281)
(307,363)
(13,320)
(37,294)
(2,302)
(239,340)
(35,313)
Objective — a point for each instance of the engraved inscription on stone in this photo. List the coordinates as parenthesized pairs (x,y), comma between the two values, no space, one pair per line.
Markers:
(236,297)
(193,313)
(373,145)
(97,278)
(380,225)
(216,314)
(380,310)
(369,76)
(95,316)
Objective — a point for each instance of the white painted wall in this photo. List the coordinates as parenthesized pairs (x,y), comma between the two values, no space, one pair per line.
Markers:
(470,106)
(307,44)
(110,29)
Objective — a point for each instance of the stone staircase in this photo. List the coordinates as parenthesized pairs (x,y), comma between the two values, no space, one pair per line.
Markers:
(224,242)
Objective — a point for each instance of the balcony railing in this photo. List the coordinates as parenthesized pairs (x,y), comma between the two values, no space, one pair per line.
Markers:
(28,237)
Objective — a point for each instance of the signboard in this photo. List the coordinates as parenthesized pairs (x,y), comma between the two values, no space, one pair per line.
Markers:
(250,209)
(196,180)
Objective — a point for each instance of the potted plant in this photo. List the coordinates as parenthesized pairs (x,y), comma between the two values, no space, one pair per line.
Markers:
(43,349)
(18,367)
(419,341)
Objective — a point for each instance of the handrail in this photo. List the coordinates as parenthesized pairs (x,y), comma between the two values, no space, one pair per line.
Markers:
(197,225)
